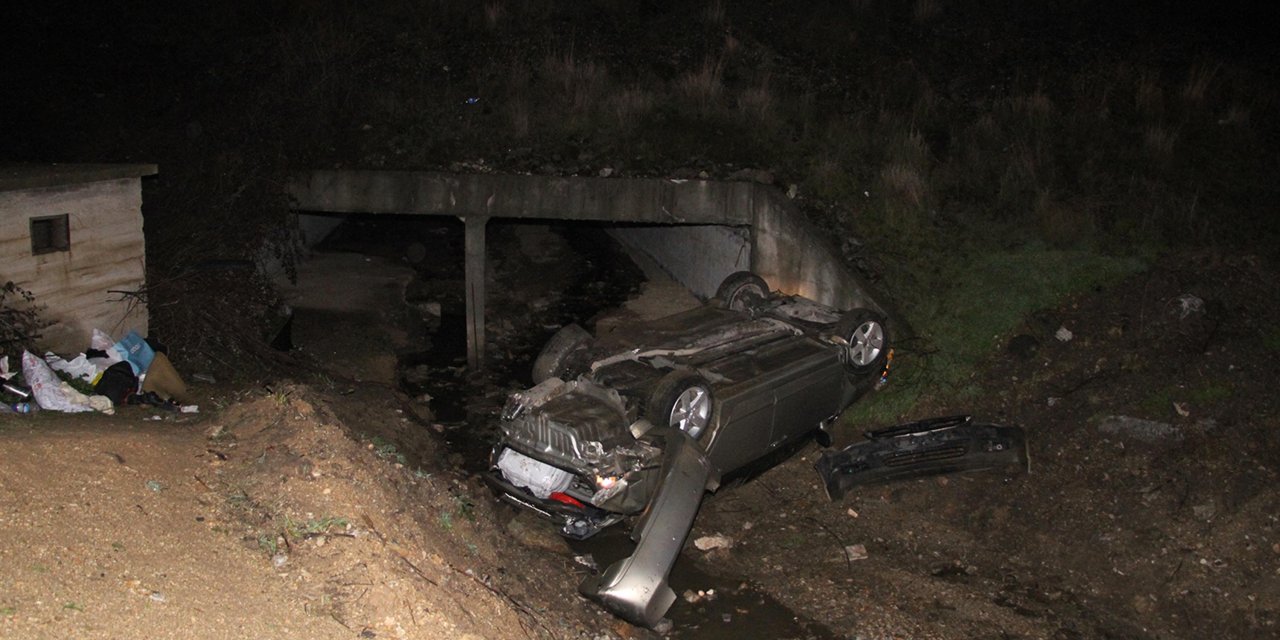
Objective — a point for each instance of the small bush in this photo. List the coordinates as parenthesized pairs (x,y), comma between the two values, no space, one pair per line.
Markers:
(20,319)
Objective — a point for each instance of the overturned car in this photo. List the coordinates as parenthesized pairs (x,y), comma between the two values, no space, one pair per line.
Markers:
(647,419)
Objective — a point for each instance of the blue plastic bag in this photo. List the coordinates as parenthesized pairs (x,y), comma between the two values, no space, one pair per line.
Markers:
(135,350)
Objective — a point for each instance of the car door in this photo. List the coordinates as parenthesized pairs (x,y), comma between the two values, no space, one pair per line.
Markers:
(807,382)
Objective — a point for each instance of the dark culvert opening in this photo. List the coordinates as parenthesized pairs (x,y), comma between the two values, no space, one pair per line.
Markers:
(540,277)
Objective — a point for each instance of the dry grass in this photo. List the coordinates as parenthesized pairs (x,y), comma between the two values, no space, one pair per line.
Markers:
(904,183)
(905,177)
(714,13)
(703,87)
(580,83)
(630,105)
(1036,107)
(926,10)
(1236,115)
(926,102)
(1148,97)
(1199,79)
(731,44)
(1159,142)
(1020,182)
(1062,225)
(518,116)
(494,12)
(758,103)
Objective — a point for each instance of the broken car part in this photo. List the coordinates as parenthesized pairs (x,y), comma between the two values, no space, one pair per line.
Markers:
(635,588)
(926,447)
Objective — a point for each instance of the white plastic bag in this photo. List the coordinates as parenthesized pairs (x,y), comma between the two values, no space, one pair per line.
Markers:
(46,386)
(78,367)
(52,393)
(102,341)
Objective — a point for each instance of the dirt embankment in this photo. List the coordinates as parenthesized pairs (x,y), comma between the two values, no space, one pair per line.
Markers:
(272,518)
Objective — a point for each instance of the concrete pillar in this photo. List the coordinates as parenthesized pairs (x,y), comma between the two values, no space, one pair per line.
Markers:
(474,278)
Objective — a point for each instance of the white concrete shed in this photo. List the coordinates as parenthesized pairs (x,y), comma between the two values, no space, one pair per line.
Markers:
(71,234)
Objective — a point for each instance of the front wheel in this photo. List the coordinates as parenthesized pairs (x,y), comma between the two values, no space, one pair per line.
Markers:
(865,341)
(681,400)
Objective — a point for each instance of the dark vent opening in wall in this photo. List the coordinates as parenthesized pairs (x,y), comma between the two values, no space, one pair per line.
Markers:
(50,233)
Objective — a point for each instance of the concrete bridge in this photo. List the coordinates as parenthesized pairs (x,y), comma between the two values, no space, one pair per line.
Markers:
(698,230)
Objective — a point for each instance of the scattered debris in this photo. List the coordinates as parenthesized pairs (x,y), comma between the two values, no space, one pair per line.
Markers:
(694,597)
(1205,511)
(1139,429)
(1189,305)
(717,541)
(856,552)
(155,485)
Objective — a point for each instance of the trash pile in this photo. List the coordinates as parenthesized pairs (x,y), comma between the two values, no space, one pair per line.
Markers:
(110,373)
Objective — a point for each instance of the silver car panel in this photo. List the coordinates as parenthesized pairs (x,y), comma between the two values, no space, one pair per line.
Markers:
(636,588)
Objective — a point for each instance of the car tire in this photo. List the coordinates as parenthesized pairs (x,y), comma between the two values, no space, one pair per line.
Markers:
(681,400)
(866,341)
(742,291)
(553,361)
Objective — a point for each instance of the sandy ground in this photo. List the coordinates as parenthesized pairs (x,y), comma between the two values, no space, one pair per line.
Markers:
(110,532)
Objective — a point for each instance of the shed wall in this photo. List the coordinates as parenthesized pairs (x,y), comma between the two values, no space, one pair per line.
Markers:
(107,252)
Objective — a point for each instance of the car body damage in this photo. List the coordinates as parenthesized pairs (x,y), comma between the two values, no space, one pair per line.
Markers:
(927,447)
(647,419)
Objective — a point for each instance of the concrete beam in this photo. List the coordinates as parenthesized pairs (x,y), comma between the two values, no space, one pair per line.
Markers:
(651,200)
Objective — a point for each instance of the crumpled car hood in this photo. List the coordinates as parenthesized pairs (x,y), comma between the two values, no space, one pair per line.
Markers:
(577,425)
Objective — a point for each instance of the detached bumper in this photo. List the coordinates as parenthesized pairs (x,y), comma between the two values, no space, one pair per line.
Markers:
(928,447)
(635,588)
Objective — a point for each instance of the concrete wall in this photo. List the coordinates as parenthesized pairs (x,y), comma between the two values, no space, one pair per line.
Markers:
(697,256)
(794,257)
(781,246)
(107,252)
(315,227)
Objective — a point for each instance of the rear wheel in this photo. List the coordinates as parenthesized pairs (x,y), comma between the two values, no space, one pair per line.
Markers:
(553,360)
(866,341)
(681,400)
(742,291)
